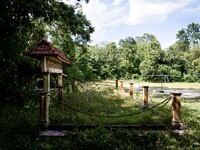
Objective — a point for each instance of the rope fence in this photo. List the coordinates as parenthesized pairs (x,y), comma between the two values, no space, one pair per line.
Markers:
(164,102)
(87,88)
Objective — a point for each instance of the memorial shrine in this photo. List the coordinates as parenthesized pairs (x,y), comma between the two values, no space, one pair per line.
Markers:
(51,61)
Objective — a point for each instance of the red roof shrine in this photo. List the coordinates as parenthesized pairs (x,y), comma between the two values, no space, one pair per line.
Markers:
(45,48)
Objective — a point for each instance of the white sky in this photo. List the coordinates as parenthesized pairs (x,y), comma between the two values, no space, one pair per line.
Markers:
(118,19)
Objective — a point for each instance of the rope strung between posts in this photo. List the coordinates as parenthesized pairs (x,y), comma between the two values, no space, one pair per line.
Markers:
(89,86)
(139,101)
(150,98)
(164,104)
(56,94)
(117,116)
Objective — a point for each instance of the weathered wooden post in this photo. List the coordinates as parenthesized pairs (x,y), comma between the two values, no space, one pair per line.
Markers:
(116,84)
(73,87)
(122,86)
(74,84)
(44,100)
(146,94)
(44,109)
(175,108)
(131,89)
(60,87)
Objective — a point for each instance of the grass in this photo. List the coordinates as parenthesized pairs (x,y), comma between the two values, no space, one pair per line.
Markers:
(103,101)
(19,124)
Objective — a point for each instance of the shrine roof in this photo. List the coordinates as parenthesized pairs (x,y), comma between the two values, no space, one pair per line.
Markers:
(45,48)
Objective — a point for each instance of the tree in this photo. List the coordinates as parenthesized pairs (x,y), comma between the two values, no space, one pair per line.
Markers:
(192,58)
(145,38)
(153,56)
(22,25)
(104,59)
(150,55)
(182,56)
(175,59)
(18,21)
(128,63)
(112,60)
(189,37)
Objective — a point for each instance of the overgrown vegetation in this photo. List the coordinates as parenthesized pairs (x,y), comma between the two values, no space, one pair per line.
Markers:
(24,23)
(95,100)
(19,125)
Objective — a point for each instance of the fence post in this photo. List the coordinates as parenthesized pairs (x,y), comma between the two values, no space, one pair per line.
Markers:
(74,84)
(116,84)
(131,89)
(121,86)
(175,108)
(146,94)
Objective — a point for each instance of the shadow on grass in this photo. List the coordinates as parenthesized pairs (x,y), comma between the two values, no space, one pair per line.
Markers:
(19,130)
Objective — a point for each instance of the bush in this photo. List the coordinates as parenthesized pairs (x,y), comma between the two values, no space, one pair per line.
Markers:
(189,78)
(18,81)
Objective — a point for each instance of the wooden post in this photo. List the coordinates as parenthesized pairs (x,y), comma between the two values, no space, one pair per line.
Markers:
(74,85)
(46,79)
(60,88)
(116,84)
(146,94)
(44,110)
(131,89)
(44,101)
(121,86)
(175,108)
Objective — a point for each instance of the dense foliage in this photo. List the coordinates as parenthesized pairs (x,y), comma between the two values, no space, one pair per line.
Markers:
(142,57)
(24,23)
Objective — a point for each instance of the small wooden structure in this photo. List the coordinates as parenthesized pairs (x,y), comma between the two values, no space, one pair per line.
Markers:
(51,62)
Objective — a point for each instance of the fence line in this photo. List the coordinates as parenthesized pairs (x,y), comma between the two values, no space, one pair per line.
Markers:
(117,116)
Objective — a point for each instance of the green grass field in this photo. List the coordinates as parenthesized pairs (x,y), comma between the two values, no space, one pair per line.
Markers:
(19,124)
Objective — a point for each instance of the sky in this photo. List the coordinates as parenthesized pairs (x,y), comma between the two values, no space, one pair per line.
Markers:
(118,19)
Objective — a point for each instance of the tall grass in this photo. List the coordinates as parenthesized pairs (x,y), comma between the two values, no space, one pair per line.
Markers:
(19,124)
(103,101)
